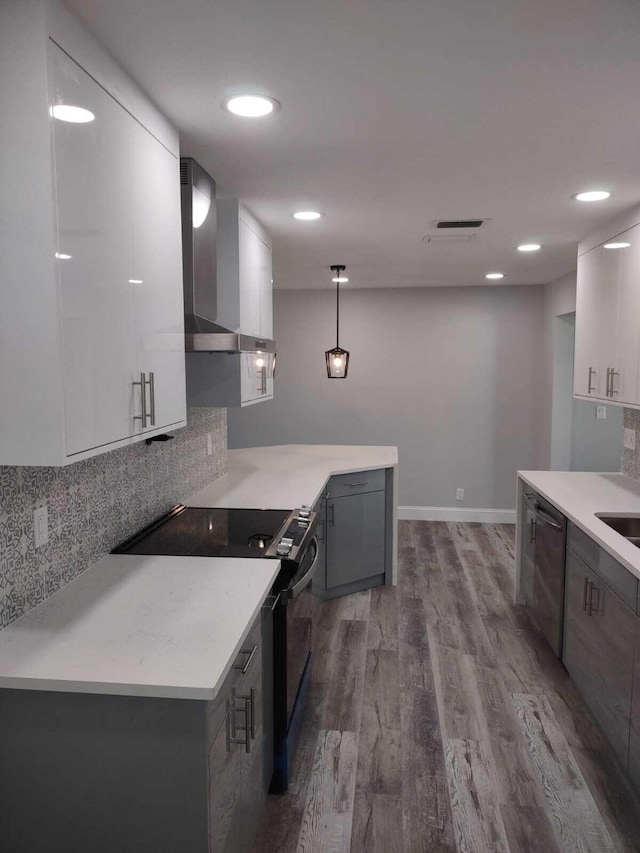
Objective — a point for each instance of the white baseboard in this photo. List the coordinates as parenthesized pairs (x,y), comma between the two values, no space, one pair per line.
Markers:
(452,513)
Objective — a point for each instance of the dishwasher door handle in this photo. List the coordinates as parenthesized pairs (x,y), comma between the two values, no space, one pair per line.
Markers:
(547,519)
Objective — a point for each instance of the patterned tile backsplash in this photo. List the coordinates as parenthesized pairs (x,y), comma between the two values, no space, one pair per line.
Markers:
(95,504)
(631,458)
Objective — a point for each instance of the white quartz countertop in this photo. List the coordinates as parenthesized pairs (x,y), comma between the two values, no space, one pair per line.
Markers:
(580,495)
(139,626)
(289,475)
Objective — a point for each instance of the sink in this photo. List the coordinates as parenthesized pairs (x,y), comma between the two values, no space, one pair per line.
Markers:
(627,526)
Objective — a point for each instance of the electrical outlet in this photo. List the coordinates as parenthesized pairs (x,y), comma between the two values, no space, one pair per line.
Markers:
(601,412)
(41,526)
(209,444)
(630,439)
(459,494)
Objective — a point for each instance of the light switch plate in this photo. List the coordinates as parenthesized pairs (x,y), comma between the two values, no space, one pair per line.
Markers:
(601,412)
(459,494)
(41,526)
(630,439)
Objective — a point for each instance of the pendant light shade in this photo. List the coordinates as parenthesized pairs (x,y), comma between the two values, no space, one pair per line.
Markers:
(337,363)
(337,358)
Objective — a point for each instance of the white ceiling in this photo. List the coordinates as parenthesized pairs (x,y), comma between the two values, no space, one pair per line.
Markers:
(397,113)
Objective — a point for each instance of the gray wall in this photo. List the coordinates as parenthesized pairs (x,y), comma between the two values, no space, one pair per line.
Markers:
(555,412)
(450,375)
(596,445)
(95,504)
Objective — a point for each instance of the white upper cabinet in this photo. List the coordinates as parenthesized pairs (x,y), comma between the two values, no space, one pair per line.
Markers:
(92,283)
(607,349)
(244,271)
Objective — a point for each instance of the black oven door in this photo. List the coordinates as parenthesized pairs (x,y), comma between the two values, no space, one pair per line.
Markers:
(300,607)
(292,631)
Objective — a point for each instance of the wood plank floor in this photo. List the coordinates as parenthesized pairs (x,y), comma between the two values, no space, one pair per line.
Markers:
(440,721)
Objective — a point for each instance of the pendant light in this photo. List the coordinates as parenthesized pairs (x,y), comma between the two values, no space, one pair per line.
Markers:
(337,358)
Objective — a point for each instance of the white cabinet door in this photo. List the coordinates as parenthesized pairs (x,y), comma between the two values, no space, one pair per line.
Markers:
(596,321)
(255,385)
(155,277)
(625,383)
(250,278)
(92,167)
(266,291)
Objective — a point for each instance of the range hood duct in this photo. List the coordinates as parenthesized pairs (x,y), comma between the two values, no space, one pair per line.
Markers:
(199,261)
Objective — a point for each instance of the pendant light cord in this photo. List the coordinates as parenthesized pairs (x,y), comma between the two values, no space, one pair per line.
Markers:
(338,314)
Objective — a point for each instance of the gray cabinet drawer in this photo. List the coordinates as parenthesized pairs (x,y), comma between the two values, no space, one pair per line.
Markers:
(356,484)
(610,570)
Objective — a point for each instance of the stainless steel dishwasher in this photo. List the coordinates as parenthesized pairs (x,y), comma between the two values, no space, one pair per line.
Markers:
(547,602)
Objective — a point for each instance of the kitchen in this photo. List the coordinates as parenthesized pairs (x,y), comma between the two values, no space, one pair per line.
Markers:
(417,646)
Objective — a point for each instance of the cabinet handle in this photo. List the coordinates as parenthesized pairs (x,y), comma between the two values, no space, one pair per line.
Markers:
(585,594)
(244,669)
(332,520)
(533,531)
(142,382)
(591,389)
(593,609)
(320,528)
(353,485)
(152,400)
(147,415)
(247,730)
(612,390)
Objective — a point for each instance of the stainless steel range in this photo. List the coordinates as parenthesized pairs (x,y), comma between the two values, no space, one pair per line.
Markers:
(261,534)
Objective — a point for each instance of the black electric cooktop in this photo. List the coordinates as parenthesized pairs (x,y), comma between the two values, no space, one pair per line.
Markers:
(204,532)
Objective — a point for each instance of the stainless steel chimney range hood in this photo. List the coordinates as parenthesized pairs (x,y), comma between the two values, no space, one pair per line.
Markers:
(199,223)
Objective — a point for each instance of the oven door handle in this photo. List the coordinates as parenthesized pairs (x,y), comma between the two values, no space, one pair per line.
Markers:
(295,590)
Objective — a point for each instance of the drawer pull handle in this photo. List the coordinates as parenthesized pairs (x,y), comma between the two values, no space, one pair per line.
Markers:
(244,669)
(353,485)
(247,731)
(592,608)
(585,594)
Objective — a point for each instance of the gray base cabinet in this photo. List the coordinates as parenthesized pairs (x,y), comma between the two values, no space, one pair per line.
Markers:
(634,734)
(598,650)
(355,538)
(106,773)
(352,533)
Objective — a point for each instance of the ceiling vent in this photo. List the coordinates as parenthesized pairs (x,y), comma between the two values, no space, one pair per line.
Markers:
(465,224)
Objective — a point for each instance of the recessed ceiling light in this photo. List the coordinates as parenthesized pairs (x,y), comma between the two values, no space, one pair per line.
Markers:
(135,281)
(592,195)
(62,256)
(307,215)
(617,245)
(67,112)
(494,275)
(529,247)
(251,106)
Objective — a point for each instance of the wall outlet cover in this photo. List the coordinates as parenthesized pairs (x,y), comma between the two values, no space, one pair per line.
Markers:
(41,526)
(459,494)
(601,412)
(630,439)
